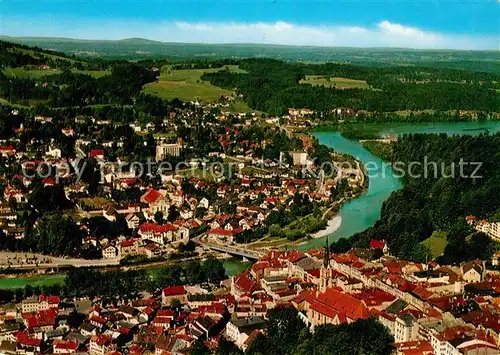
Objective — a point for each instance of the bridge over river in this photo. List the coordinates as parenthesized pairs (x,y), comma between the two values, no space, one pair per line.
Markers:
(236,251)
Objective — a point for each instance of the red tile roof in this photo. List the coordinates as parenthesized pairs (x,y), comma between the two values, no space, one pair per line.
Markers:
(24,339)
(96,152)
(54,300)
(66,344)
(246,284)
(174,291)
(373,297)
(341,302)
(152,196)
(149,227)
(377,244)
(101,339)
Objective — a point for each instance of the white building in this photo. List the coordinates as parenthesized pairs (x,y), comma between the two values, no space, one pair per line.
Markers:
(239,330)
(109,252)
(405,328)
(164,150)
(492,229)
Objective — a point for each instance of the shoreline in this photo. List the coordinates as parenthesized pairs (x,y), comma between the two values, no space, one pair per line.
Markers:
(331,226)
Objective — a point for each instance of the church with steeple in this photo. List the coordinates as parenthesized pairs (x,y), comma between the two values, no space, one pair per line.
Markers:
(325,276)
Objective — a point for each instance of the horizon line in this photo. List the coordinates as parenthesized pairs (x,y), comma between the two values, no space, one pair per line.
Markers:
(4,36)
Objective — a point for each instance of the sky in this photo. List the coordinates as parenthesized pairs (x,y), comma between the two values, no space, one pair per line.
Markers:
(434,24)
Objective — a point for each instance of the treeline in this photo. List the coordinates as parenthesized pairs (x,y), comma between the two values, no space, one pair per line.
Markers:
(437,196)
(274,86)
(188,273)
(18,55)
(92,282)
(205,64)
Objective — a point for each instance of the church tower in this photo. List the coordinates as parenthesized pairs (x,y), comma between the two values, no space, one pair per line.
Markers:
(325,274)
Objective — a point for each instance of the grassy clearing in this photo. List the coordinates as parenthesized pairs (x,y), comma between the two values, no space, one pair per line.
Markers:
(436,243)
(197,173)
(235,69)
(187,85)
(93,73)
(22,72)
(45,280)
(94,202)
(339,83)
(239,106)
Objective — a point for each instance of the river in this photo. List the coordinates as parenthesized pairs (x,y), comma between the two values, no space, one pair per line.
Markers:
(361,213)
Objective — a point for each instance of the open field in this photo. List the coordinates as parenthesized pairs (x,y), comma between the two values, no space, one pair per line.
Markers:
(436,243)
(45,280)
(95,202)
(186,85)
(38,73)
(232,266)
(239,106)
(197,173)
(339,83)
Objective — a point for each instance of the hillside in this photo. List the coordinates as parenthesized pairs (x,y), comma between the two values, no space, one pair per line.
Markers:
(139,48)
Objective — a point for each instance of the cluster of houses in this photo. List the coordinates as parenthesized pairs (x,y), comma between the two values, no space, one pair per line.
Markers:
(46,324)
(429,309)
(490,228)
(223,206)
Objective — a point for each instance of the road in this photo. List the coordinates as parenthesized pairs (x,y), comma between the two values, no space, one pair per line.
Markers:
(32,260)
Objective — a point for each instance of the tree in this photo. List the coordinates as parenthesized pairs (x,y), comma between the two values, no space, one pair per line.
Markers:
(214,270)
(175,303)
(54,235)
(158,217)
(480,246)
(13,204)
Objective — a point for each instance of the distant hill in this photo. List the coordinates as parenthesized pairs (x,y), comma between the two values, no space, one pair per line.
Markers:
(140,48)
(138,41)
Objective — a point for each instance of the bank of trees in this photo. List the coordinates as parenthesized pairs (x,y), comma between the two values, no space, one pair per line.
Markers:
(192,272)
(273,86)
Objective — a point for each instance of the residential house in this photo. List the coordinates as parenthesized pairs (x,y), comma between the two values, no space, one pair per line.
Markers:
(472,271)
(101,345)
(239,330)
(405,328)
(109,252)
(132,221)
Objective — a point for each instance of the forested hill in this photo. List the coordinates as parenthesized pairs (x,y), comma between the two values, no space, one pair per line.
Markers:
(138,48)
(273,86)
(18,55)
(33,77)
(439,203)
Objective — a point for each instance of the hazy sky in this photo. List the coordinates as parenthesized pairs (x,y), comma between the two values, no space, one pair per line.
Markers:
(461,24)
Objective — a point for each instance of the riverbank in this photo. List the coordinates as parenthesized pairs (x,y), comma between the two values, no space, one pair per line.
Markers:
(331,226)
